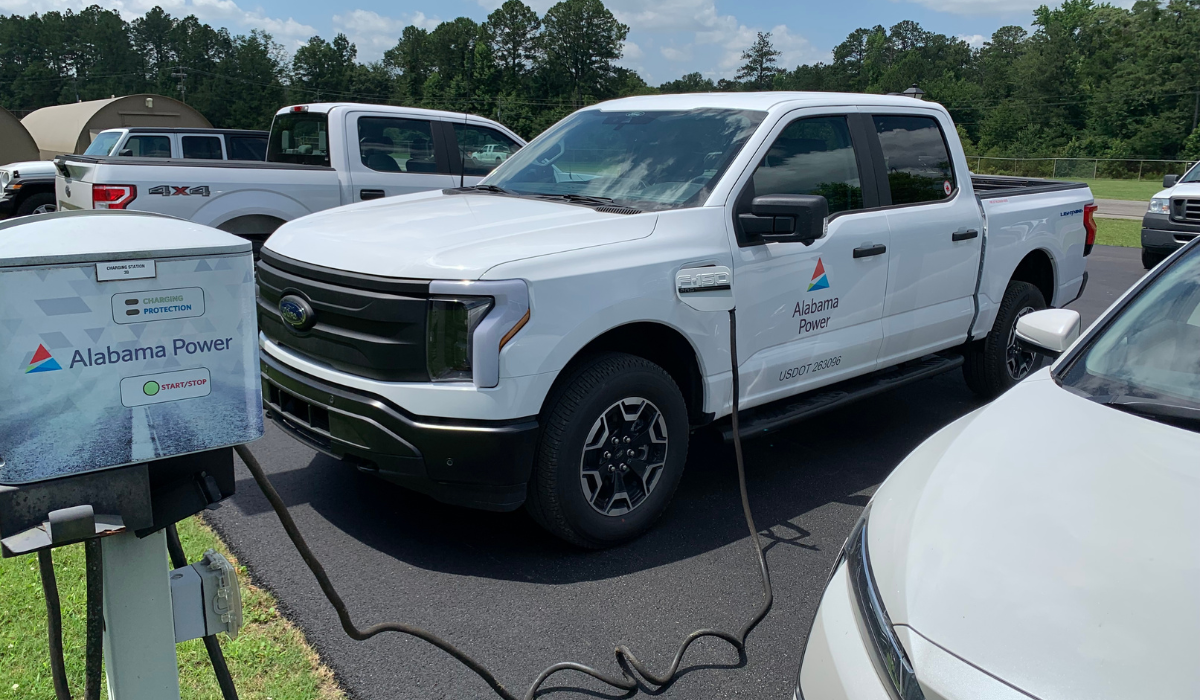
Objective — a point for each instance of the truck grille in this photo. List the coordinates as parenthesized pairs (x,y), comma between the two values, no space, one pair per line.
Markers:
(369,326)
(1185,209)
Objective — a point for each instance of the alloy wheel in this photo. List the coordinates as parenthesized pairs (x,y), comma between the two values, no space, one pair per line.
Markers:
(624,456)
(1018,362)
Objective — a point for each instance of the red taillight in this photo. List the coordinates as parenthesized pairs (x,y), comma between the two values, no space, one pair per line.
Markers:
(1089,225)
(112,196)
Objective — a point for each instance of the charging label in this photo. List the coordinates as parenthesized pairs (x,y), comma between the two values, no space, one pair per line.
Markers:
(167,386)
(157,305)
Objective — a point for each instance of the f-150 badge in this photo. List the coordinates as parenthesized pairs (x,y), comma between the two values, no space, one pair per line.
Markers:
(172,190)
(708,288)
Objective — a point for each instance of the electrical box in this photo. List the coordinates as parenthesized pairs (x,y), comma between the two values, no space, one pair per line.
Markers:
(124,338)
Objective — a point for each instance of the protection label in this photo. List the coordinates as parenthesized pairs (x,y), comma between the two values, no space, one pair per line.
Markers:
(157,305)
(167,386)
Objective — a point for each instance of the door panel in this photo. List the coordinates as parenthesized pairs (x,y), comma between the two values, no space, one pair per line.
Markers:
(811,314)
(934,256)
(391,155)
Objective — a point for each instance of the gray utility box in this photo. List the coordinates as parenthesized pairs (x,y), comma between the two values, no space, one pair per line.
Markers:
(124,338)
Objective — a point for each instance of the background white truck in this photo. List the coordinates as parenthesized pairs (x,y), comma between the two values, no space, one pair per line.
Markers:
(1173,217)
(552,336)
(28,187)
(318,156)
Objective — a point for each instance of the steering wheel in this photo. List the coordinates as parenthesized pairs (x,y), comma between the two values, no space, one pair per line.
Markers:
(543,162)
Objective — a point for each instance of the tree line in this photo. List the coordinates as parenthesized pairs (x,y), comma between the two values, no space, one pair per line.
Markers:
(1087,80)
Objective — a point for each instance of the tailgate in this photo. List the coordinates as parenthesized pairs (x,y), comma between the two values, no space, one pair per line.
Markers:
(74,189)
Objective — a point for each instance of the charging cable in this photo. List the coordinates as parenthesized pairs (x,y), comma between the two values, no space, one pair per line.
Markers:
(95,621)
(624,657)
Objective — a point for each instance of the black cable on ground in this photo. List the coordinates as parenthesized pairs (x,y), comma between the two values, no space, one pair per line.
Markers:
(58,670)
(624,656)
(94,656)
(215,655)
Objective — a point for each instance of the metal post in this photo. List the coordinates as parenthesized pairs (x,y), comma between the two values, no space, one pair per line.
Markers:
(1140,164)
(139,630)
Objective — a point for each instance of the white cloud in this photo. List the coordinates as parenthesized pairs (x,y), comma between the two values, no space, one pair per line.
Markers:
(632,51)
(673,54)
(975,41)
(373,33)
(219,12)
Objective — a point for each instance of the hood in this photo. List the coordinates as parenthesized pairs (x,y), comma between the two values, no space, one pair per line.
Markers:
(1053,543)
(30,168)
(1181,189)
(432,235)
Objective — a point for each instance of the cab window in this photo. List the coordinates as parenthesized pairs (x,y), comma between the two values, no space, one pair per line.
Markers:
(391,145)
(147,146)
(202,147)
(299,137)
(916,157)
(482,149)
(813,156)
(103,144)
(247,147)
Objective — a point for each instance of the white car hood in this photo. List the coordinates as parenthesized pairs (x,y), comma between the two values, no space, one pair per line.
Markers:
(1053,543)
(459,236)
(31,168)
(1182,189)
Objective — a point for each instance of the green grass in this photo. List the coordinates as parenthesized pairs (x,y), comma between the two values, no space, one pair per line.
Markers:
(1120,232)
(1134,190)
(269,660)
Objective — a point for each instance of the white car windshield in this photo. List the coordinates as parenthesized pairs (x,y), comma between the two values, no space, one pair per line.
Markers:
(104,143)
(647,160)
(1147,360)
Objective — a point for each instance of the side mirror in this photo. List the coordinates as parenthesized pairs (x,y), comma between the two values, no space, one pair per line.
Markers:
(1048,332)
(785,218)
(126,152)
(1170,180)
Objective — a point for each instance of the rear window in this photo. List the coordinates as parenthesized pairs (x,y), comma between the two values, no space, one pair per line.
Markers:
(202,147)
(299,137)
(246,147)
(103,145)
(147,146)
(918,162)
(482,149)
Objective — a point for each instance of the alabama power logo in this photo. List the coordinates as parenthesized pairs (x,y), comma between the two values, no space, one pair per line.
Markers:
(811,312)
(42,361)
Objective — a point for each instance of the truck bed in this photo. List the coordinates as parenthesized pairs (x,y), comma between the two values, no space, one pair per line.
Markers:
(989,186)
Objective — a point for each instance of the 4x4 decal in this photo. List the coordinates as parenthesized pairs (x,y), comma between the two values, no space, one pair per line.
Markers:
(172,190)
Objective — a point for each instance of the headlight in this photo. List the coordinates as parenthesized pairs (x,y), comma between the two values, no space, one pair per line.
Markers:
(895,670)
(469,323)
(452,324)
(1160,206)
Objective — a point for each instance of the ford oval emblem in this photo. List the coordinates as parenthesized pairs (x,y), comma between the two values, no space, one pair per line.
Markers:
(297,312)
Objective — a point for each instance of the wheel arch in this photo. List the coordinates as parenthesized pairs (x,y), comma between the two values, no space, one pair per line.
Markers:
(658,343)
(1037,268)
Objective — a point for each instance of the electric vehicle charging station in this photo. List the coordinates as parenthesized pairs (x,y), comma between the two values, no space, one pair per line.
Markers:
(129,370)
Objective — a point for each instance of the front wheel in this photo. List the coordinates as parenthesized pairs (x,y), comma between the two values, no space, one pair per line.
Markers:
(40,203)
(1150,259)
(613,446)
(995,364)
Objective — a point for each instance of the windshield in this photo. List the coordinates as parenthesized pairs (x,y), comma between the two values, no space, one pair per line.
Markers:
(1192,175)
(299,137)
(104,143)
(645,160)
(1151,350)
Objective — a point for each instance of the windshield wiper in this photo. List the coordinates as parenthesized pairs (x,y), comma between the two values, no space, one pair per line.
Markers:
(581,198)
(487,188)
(1155,410)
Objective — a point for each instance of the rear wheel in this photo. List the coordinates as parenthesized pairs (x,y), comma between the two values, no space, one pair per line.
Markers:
(40,203)
(993,365)
(612,451)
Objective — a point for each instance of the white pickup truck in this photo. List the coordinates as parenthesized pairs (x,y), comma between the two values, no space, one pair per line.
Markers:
(1173,217)
(318,156)
(553,335)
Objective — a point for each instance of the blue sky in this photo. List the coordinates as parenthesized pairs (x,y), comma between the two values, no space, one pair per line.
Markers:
(667,38)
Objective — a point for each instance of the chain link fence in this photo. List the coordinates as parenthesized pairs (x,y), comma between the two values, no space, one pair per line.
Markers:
(1079,168)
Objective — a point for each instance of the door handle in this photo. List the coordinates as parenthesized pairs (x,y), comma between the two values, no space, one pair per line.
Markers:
(866,251)
(964,235)
(371,194)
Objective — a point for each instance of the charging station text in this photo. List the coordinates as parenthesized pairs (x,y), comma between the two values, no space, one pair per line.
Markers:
(179,346)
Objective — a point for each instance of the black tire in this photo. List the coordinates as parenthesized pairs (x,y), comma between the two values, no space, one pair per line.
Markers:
(43,200)
(608,386)
(986,367)
(1150,259)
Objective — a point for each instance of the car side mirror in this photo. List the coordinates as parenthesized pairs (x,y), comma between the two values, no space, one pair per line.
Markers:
(1170,180)
(126,152)
(1049,332)
(785,218)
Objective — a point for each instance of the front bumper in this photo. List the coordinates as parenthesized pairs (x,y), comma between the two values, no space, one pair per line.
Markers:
(1162,235)
(478,464)
(8,204)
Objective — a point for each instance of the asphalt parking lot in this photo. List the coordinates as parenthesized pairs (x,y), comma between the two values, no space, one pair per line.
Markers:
(519,600)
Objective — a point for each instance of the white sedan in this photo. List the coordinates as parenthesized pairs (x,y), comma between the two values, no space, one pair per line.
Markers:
(1046,545)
